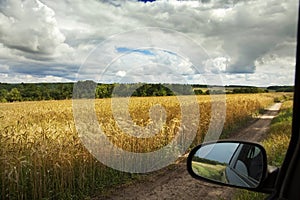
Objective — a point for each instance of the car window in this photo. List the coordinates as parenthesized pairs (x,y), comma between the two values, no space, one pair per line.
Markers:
(94,93)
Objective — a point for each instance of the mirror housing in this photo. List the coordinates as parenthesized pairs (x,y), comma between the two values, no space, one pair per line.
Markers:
(231,163)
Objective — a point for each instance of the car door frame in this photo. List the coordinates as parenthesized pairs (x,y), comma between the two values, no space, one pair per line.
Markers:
(286,186)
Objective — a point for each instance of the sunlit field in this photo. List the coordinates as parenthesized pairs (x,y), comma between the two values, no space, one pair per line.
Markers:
(210,171)
(43,157)
(276,145)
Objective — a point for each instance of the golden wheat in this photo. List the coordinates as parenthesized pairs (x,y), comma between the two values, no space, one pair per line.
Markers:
(41,155)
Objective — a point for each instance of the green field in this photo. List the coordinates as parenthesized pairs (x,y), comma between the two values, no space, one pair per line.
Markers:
(209,171)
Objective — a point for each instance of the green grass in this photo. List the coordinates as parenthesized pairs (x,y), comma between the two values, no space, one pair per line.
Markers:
(276,145)
(209,171)
(279,136)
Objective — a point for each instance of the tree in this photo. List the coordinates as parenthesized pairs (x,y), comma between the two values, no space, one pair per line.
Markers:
(103,91)
(198,91)
(14,95)
(3,95)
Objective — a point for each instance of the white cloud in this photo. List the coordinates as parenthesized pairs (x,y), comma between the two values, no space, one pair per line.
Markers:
(152,66)
(29,26)
(4,68)
(53,38)
(19,78)
(121,73)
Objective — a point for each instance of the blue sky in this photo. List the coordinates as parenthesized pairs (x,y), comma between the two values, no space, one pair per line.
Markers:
(245,42)
(128,50)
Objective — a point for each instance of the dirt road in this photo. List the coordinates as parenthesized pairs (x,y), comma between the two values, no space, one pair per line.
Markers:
(175,183)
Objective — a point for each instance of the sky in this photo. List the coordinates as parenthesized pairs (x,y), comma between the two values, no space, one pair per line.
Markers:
(221,152)
(229,42)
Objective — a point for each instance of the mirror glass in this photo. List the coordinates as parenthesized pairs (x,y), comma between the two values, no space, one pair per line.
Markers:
(238,164)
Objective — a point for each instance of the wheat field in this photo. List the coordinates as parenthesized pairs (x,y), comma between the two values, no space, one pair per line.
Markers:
(42,156)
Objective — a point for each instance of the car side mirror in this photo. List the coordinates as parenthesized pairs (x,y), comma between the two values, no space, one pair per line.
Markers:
(231,163)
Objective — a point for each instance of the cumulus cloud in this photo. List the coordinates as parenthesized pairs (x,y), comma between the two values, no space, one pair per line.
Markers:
(29,26)
(249,31)
(151,65)
(4,69)
(19,78)
(31,41)
(53,38)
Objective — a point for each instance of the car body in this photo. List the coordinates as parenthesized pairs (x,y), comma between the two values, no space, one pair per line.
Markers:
(237,172)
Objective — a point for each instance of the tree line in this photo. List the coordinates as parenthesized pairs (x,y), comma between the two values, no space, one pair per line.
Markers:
(207,161)
(59,91)
(86,89)
(281,88)
(35,91)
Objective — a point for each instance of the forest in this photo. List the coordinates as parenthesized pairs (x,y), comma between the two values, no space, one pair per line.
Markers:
(60,91)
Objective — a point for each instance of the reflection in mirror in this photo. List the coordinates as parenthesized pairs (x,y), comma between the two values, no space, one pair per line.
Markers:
(238,164)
